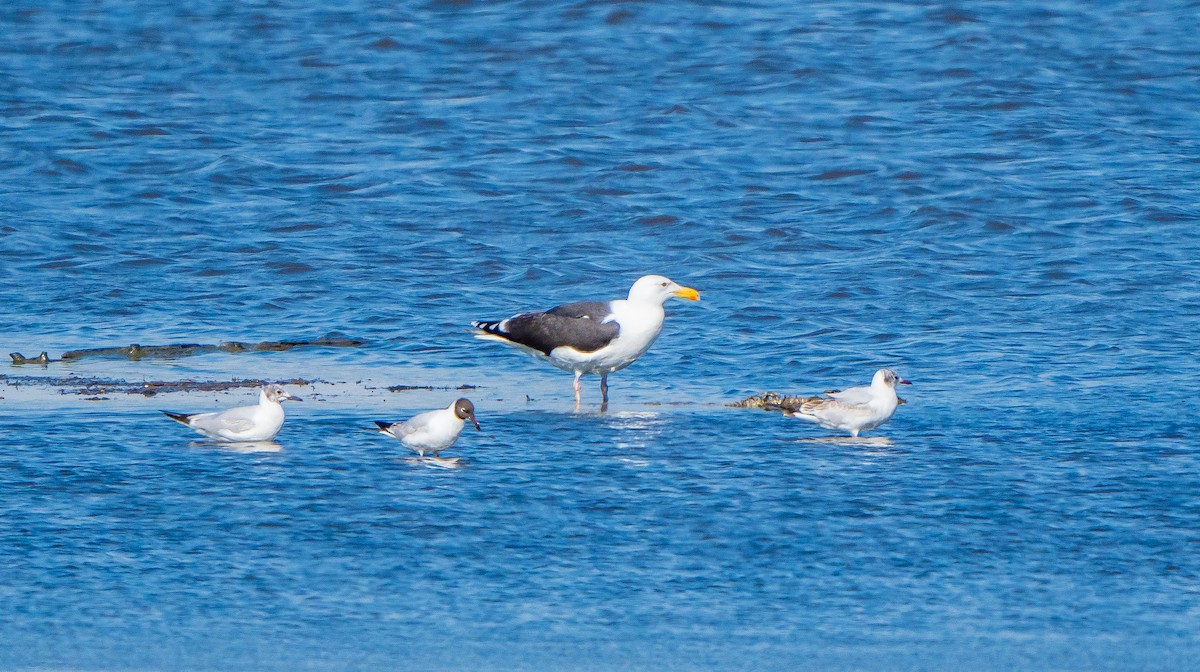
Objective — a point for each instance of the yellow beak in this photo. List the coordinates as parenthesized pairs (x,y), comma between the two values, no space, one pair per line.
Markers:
(687,293)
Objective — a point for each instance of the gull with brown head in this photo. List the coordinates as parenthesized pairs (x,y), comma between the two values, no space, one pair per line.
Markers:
(432,431)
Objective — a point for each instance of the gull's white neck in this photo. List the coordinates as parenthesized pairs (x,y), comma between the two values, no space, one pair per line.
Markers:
(882,392)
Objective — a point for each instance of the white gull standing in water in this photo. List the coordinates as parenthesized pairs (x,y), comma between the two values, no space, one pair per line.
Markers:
(244,423)
(432,431)
(855,409)
(592,336)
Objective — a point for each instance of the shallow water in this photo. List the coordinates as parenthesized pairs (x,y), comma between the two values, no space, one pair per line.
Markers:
(999,201)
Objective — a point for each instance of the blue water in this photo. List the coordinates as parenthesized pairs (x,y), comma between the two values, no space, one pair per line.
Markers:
(999,200)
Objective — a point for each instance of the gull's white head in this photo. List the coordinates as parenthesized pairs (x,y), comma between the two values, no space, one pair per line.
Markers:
(887,378)
(657,289)
(276,393)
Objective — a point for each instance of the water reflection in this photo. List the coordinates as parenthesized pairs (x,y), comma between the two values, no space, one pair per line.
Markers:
(240,446)
(860,441)
(431,462)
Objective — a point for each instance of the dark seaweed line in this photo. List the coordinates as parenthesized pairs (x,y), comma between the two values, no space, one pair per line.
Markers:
(135,351)
(98,386)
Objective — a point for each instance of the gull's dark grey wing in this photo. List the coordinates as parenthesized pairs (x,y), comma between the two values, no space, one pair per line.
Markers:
(577,325)
(590,310)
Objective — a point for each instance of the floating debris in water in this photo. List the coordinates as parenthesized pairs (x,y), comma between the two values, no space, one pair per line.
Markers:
(18,359)
(774,401)
(152,388)
(135,351)
(333,340)
(430,388)
(771,401)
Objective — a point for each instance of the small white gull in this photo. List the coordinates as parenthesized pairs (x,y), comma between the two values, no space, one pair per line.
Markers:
(244,423)
(857,408)
(592,337)
(432,431)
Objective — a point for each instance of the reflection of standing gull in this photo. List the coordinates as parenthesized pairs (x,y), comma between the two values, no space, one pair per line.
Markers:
(855,409)
(592,336)
(432,431)
(245,423)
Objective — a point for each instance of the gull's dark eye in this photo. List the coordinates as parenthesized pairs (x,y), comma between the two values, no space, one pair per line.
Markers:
(664,284)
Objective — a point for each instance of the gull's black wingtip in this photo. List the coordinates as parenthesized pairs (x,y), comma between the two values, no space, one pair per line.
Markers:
(488,326)
(177,417)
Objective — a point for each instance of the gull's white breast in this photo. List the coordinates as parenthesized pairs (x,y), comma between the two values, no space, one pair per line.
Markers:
(640,325)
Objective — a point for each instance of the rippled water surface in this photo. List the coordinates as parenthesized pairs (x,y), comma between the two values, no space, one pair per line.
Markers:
(999,200)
